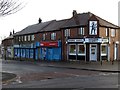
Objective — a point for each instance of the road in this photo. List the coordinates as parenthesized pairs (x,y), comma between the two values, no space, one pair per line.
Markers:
(33,75)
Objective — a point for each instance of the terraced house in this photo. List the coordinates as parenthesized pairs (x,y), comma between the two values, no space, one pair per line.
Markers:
(84,36)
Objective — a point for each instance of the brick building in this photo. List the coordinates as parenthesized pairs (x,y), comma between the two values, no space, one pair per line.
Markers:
(7,48)
(90,38)
(84,36)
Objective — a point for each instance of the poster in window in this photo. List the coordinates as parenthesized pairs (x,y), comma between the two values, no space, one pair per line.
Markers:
(93,27)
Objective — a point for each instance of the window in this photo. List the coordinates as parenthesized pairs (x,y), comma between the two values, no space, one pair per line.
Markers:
(81,49)
(43,36)
(72,49)
(22,38)
(93,27)
(33,37)
(25,38)
(67,32)
(112,32)
(81,31)
(19,38)
(107,31)
(104,49)
(28,37)
(53,36)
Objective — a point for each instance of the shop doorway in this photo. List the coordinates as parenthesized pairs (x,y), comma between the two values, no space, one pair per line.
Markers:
(93,52)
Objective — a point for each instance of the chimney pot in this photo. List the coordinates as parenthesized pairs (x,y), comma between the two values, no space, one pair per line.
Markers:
(74,12)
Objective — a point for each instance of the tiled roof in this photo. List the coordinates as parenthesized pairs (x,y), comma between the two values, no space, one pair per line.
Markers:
(83,20)
(33,28)
(78,20)
(55,25)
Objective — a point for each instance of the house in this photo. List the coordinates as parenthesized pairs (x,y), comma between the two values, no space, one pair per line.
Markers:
(84,37)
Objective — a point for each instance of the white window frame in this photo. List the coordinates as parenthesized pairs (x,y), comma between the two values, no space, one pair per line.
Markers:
(19,38)
(69,49)
(53,36)
(106,31)
(113,32)
(33,37)
(28,37)
(103,54)
(83,54)
(25,38)
(44,36)
(67,32)
(81,31)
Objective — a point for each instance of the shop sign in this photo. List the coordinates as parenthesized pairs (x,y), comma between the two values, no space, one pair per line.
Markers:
(16,45)
(48,44)
(75,40)
(93,40)
(105,40)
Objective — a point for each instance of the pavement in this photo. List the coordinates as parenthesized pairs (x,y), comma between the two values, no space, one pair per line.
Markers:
(90,66)
(104,66)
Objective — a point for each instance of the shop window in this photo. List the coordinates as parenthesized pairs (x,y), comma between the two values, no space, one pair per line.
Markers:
(67,32)
(53,36)
(113,32)
(81,31)
(72,49)
(104,50)
(81,49)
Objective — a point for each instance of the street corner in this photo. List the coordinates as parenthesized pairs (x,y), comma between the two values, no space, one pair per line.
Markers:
(7,77)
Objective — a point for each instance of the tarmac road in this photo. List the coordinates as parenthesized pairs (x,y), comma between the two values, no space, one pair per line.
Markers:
(32,75)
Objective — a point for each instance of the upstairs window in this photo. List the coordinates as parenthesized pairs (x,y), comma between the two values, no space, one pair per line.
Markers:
(53,36)
(33,37)
(113,32)
(28,37)
(19,38)
(43,36)
(107,32)
(67,32)
(25,38)
(81,31)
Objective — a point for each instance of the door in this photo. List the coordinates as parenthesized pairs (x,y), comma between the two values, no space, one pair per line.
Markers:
(50,54)
(93,52)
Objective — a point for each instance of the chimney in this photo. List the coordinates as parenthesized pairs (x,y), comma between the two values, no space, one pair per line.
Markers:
(10,33)
(13,31)
(74,13)
(40,20)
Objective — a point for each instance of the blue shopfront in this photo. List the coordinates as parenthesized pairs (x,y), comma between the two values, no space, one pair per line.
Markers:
(24,51)
(50,51)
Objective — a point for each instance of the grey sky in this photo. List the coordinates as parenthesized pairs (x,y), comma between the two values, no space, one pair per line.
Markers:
(56,9)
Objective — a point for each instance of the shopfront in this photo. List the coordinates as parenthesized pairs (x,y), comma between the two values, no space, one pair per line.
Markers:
(76,49)
(88,49)
(50,51)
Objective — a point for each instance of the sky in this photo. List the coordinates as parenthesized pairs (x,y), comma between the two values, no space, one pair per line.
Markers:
(56,9)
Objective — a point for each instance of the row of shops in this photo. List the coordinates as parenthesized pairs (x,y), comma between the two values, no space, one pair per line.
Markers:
(39,51)
(88,49)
